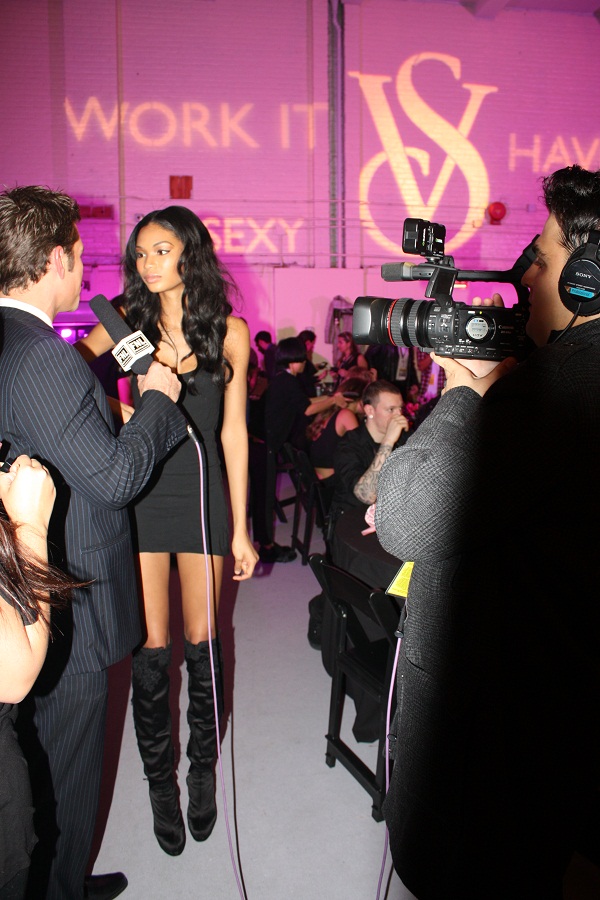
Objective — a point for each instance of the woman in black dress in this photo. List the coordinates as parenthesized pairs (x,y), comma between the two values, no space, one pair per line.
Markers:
(177,293)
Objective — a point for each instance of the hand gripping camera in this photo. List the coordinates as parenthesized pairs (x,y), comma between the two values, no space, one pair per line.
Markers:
(447,327)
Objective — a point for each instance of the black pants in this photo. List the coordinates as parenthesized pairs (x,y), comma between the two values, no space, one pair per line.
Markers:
(62,736)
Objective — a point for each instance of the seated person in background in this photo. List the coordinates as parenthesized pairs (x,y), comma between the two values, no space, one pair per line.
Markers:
(358,459)
(264,344)
(326,429)
(361,453)
(308,378)
(383,358)
(286,408)
(349,355)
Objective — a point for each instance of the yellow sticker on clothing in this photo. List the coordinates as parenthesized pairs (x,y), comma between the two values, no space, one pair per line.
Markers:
(401,580)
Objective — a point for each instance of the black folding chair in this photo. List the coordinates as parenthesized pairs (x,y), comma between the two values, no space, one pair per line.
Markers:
(365,645)
(309,499)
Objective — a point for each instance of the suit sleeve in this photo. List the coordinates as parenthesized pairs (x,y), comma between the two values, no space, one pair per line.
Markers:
(425,487)
(60,403)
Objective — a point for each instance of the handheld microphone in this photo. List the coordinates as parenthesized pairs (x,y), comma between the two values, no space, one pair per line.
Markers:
(132,350)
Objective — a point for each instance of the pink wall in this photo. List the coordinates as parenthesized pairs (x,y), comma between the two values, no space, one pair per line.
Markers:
(444,113)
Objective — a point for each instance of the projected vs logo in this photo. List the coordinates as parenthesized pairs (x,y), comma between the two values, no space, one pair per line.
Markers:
(453,140)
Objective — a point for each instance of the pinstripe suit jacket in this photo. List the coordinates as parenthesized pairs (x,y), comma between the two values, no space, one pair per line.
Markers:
(54,408)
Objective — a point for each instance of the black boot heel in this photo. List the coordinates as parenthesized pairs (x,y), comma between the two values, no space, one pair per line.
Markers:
(202,745)
(202,807)
(168,819)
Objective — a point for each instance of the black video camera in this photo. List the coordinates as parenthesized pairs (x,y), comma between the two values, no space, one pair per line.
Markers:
(447,327)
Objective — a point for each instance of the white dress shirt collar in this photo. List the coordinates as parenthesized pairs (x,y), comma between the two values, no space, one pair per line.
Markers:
(26,307)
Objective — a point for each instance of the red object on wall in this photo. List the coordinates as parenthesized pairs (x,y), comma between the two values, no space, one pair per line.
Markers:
(180,187)
(88,211)
(496,212)
(102,212)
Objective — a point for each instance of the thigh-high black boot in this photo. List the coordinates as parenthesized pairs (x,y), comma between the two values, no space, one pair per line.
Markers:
(202,746)
(152,720)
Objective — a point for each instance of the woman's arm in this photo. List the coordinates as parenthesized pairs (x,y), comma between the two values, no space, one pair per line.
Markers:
(345,420)
(97,342)
(320,404)
(27,492)
(234,440)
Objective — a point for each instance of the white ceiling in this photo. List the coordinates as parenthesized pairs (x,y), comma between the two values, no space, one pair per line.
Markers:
(490,8)
(483,7)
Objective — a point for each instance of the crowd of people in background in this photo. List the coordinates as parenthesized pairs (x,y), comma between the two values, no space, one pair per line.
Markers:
(315,408)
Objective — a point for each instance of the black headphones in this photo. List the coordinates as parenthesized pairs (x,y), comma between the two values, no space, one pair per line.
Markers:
(579,282)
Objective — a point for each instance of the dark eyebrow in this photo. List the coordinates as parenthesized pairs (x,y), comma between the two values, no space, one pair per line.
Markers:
(156,244)
(538,251)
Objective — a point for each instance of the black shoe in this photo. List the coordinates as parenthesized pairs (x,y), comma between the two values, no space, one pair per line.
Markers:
(168,820)
(202,809)
(276,553)
(104,887)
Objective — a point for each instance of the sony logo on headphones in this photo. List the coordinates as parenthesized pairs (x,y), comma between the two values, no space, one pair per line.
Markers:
(583,275)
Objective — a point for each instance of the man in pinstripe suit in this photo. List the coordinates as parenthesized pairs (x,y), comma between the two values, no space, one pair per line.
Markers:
(52,407)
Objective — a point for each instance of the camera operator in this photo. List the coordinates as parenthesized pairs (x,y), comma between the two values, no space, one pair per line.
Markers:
(497,741)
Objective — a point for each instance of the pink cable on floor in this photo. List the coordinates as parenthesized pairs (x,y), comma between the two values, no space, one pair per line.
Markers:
(201,468)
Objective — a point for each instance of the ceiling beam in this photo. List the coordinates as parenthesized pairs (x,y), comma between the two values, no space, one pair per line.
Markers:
(485,9)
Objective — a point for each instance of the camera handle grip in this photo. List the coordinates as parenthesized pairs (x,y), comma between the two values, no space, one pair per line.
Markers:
(424,271)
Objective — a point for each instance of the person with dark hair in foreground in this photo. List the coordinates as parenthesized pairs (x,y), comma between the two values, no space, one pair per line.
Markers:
(28,590)
(53,407)
(497,741)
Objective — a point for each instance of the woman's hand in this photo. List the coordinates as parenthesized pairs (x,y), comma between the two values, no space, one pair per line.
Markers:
(339,400)
(28,492)
(245,557)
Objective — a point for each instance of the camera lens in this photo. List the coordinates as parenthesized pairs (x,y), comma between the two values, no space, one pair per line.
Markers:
(402,322)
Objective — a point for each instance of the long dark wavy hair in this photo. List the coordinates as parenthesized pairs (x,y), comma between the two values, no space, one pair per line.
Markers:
(26,582)
(207,287)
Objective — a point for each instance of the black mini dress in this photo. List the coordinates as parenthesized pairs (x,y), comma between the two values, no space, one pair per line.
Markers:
(168,514)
